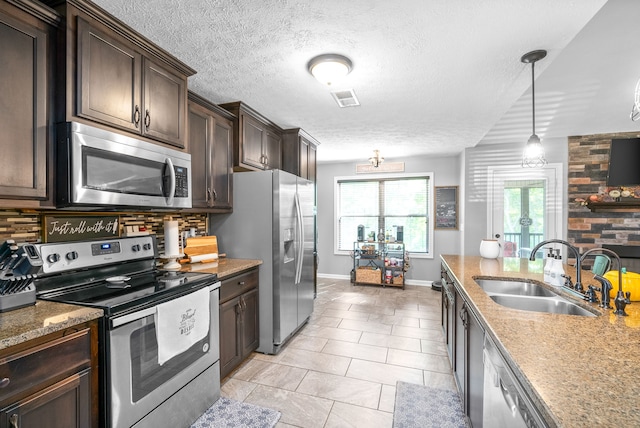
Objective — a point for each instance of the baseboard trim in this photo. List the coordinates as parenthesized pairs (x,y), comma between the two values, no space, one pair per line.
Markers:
(347,277)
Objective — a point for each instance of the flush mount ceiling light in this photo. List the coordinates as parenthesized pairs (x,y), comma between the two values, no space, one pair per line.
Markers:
(329,68)
(376,159)
(533,156)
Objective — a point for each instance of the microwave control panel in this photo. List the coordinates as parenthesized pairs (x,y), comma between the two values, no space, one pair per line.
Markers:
(182,182)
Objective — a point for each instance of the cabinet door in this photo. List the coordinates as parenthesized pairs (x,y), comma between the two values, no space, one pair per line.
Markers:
(475,370)
(109,76)
(250,326)
(271,150)
(23,122)
(222,164)
(311,163)
(65,404)
(251,143)
(303,161)
(459,345)
(200,149)
(230,340)
(165,98)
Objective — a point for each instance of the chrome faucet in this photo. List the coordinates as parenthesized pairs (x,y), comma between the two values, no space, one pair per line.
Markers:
(578,284)
(620,300)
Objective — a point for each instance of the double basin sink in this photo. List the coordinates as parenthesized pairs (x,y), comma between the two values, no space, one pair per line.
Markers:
(528,296)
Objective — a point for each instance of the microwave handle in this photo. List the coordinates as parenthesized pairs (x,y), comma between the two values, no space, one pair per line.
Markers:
(172,182)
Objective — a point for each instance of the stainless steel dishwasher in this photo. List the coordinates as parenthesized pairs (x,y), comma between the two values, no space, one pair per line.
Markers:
(505,403)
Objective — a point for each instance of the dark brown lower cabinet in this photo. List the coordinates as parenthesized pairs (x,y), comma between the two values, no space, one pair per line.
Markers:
(239,325)
(51,381)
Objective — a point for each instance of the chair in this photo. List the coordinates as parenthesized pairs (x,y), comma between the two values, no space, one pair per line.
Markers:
(601,264)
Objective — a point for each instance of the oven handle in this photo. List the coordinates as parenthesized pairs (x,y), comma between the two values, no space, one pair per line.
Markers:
(117,322)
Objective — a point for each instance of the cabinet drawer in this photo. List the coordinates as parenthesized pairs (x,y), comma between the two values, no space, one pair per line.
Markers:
(44,363)
(238,285)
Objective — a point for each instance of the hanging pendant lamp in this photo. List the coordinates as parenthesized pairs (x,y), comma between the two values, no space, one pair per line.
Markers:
(533,156)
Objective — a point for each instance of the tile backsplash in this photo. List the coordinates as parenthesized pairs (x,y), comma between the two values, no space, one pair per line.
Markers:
(26,226)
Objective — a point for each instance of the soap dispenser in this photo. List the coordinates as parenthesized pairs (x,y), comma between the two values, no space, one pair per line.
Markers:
(547,265)
(557,270)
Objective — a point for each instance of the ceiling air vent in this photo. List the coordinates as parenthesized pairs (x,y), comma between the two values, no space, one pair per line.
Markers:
(345,98)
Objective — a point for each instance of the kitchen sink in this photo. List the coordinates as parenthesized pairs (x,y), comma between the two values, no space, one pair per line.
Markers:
(517,288)
(553,305)
(528,296)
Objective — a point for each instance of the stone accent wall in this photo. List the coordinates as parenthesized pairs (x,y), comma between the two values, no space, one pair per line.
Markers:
(26,226)
(588,165)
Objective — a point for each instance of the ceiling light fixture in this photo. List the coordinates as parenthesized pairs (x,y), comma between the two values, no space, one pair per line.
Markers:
(533,156)
(376,159)
(329,68)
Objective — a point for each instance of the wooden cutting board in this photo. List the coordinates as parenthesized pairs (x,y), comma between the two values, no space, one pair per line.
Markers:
(198,245)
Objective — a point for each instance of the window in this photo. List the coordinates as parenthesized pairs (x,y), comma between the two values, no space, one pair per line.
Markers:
(384,203)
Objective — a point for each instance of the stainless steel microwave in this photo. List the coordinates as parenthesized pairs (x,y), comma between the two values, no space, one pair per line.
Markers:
(103,169)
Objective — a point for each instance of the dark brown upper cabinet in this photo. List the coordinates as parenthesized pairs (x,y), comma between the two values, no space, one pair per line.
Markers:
(114,76)
(210,145)
(299,153)
(27,31)
(257,141)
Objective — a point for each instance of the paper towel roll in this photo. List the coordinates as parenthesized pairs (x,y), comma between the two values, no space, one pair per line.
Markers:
(171,243)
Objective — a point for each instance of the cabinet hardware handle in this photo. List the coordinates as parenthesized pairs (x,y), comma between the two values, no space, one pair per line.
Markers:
(4,382)
(147,120)
(136,116)
(208,195)
(13,420)
(240,282)
(215,195)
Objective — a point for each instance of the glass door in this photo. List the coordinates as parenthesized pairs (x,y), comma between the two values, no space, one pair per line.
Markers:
(524,207)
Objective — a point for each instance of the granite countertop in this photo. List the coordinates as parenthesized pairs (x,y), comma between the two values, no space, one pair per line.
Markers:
(579,371)
(31,322)
(223,267)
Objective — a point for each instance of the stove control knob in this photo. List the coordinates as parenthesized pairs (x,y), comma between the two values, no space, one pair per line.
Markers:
(146,247)
(136,247)
(54,257)
(72,255)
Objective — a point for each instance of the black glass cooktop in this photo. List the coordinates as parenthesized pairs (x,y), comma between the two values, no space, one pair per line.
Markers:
(123,292)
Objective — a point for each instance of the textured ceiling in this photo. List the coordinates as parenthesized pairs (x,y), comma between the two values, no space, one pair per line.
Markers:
(432,76)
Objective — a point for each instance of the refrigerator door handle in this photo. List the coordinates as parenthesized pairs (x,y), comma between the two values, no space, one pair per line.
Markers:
(300,239)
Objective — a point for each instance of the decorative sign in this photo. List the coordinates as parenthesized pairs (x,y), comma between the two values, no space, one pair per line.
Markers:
(525,221)
(79,228)
(446,205)
(367,168)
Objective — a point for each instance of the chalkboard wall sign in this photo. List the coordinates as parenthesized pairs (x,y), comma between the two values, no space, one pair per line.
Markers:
(80,228)
(446,207)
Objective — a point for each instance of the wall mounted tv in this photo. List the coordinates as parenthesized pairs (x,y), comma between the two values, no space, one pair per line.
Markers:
(624,163)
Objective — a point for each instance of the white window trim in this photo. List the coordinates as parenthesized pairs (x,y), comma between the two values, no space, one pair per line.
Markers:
(368,177)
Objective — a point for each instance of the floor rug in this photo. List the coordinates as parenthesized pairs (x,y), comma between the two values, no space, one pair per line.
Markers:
(227,413)
(419,406)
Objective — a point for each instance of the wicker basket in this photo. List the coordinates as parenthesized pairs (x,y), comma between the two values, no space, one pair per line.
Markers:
(398,279)
(368,275)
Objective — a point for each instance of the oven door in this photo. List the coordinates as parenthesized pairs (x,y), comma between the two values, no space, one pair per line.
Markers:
(106,168)
(137,384)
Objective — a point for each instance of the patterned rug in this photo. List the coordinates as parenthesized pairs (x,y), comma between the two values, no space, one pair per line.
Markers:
(227,413)
(419,406)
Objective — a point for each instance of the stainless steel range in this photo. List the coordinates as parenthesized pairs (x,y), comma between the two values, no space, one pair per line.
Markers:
(159,337)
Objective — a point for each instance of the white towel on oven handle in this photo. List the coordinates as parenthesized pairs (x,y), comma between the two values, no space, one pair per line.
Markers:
(180,323)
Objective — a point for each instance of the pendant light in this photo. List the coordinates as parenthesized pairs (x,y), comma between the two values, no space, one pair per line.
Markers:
(533,156)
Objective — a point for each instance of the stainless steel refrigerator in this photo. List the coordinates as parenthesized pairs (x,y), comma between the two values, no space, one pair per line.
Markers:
(273,220)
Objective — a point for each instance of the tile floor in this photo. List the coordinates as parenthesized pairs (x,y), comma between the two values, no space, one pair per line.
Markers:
(341,369)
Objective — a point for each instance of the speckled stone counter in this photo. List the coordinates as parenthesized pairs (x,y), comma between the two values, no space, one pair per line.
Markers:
(579,371)
(31,322)
(223,267)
